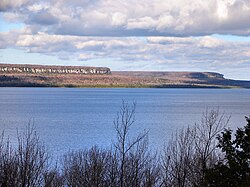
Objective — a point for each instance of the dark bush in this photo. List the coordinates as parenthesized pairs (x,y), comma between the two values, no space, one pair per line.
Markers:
(234,167)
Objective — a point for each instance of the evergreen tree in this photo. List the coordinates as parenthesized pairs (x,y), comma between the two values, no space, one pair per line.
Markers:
(234,168)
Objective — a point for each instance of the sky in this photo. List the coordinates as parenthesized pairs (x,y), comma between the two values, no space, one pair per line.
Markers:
(146,35)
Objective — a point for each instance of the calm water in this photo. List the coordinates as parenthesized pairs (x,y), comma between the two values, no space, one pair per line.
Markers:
(68,118)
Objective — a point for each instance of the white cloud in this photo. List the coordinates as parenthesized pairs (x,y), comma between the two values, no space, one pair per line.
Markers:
(210,42)
(118,19)
(134,18)
(38,7)
(194,52)
(170,40)
(141,23)
(8,39)
(84,57)
(90,45)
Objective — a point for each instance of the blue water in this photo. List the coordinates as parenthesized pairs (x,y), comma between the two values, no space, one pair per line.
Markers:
(78,118)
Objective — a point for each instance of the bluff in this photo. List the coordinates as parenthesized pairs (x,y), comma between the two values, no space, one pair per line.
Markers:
(40,69)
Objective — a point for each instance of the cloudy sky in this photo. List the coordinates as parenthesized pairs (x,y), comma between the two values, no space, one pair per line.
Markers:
(159,35)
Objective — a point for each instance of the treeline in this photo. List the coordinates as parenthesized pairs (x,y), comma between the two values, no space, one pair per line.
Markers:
(206,154)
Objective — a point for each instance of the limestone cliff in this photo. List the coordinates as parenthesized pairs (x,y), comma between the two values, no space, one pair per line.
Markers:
(40,69)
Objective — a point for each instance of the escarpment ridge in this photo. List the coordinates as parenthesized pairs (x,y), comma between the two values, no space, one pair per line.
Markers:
(24,75)
(40,69)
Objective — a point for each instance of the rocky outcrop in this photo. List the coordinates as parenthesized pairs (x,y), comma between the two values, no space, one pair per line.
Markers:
(40,69)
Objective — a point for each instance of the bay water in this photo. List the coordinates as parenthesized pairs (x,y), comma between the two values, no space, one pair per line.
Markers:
(78,118)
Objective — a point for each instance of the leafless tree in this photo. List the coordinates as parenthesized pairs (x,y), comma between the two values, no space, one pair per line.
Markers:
(192,150)
(136,167)
(8,164)
(206,153)
(178,157)
(86,168)
(129,163)
(32,158)
(53,178)
(25,165)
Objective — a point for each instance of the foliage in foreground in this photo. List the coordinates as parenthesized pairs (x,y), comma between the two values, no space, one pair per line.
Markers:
(234,168)
(195,156)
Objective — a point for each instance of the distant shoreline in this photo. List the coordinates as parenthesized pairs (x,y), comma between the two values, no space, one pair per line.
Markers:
(13,75)
(121,86)
(116,80)
(100,81)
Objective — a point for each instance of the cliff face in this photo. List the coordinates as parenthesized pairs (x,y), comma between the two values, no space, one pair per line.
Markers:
(39,69)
